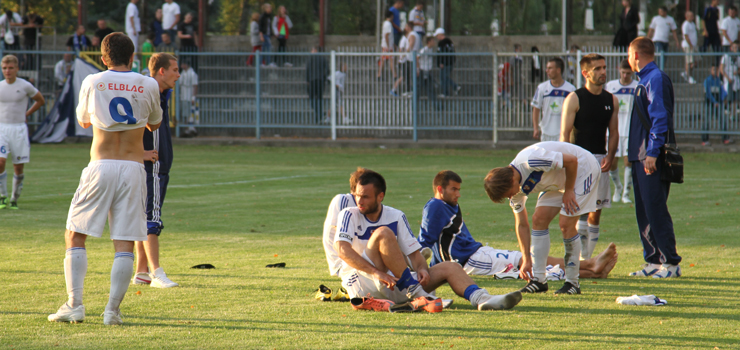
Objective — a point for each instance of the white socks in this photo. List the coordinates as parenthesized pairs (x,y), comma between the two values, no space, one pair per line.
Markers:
(539,250)
(17,187)
(120,274)
(582,227)
(588,245)
(75,269)
(572,263)
(614,174)
(627,181)
(3,184)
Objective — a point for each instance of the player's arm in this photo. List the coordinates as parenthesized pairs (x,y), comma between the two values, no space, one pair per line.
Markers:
(155,117)
(177,20)
(420,266)
(38,102)
(675,37)
(570,163)
(524,237)
(570,107)
(536,122)
(606,163)
(133,24)
(650,33)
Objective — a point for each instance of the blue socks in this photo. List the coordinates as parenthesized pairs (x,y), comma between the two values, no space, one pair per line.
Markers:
(470,290)
(406,280)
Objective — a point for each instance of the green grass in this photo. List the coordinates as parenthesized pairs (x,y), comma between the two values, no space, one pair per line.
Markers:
(240,208)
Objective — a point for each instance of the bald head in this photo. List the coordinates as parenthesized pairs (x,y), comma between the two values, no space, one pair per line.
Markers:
(689,16)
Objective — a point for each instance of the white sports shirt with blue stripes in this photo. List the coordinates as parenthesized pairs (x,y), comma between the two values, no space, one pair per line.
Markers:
(549,100)
(541,168)
(338,203)
(355,228)
(626,95)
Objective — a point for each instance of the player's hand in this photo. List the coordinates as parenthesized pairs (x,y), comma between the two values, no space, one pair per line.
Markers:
(151,156)
(423,277)
(569,202)
(386,279)
(525,271)
(606,164)
(536,134)
(649,165)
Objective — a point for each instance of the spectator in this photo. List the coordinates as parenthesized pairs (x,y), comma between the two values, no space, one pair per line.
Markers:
(256,37)
(629,18)
(386,44)
(710,29)
(281,25)
(95,44)
(536,66)
(79,41)
(426,63)
(688,29)
(188,91)
(516,75)
(31,23)
(316,71)
(410,43)
(62,69)
(397,30)
(340,77)
(729,27)
(7,21)
(188,34)
(170,18)
(728,69)
(167,45)
(660,28)
(266,33)
(147,49)
(572,60)
(416,17)
(446,63)
(102,30)
(133,23)
(716,97)
(157,28)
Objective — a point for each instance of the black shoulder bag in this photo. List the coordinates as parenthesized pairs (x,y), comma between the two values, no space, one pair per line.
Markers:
(670,156)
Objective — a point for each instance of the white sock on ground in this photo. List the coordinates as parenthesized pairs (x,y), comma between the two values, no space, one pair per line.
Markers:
(540,249)
(17,187)
(627,181)
(3,184)
(120,274)
(572,263)
(614,174)
(75,269)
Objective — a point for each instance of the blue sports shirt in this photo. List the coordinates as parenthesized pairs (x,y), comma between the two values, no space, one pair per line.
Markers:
(654,97)
(443,230)
(160,140)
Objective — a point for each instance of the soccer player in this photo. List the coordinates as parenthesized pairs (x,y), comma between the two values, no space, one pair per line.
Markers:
(567,175)
(157,162)
(445,233)
(14,94)
(338,203)
(548,102)
(623,89)
(373,240)
(118,105)
(588,113)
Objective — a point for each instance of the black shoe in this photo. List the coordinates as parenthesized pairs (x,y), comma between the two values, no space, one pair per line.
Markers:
(534,287)
(568,288)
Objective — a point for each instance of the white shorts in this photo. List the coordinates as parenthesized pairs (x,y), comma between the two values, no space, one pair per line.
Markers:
(112,189)
(586,192)
(689,54)
(487,260)
(14,140)
(545,137)
(360,284)
(603,189)
(622,146)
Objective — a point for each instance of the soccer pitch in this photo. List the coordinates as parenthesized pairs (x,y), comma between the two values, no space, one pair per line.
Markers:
(240,208)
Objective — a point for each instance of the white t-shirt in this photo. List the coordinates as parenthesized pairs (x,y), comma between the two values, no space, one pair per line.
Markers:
(4,25)
(662,27)
(403,45)
(169,11)
(731,25)
(338,203)
(416,47)
(549,100)
(417,16)
(541,168)
(729,65)
(132,11)
(626,95)
(354,227)
(187,80)
(688,29)
(14,100)
(387,29)
(118,101)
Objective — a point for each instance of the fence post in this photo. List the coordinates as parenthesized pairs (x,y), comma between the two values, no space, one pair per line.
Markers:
(495,98)
(176,99)
(415,102)
(333,107)
(257,83)
(662,61)
(579,76)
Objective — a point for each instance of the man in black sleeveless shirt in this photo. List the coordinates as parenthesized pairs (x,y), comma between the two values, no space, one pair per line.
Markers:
(587,114)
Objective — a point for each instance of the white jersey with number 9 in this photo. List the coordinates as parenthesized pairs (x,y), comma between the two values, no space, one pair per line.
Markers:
(118,101)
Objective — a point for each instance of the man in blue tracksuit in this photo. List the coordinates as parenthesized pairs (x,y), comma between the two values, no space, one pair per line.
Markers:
(157,162)
(654,100)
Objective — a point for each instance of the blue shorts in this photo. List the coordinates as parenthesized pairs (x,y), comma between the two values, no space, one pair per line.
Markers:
(156,188)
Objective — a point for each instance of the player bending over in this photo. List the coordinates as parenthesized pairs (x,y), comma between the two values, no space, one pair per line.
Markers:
(445,233)
(118,104)
(372,239)
(567,174)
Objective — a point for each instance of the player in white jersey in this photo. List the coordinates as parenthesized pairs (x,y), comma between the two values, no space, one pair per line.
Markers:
(547,104)
(624,89)
(338,203)
(14,95)
(118,104)
(373,241)
(568,175)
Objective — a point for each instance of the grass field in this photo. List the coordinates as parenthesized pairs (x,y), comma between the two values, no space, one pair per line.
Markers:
(240,208)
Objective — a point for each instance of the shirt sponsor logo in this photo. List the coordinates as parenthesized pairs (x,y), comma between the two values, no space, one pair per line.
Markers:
(345,236)
(100,87)
(124,87)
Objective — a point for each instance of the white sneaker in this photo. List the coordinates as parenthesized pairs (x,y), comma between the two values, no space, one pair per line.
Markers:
(683,75)
(112,318)
(273,65)
(626,198)
(141,278)
(668,271)
(68,314)
(616,197)
(499,302)
(346,120)
(508,273)
(691,80)
(288,64)
(647,270)
(160,280)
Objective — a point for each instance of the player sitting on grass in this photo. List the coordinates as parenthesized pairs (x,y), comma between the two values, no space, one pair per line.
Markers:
(338,203)
(373,239)
(445,233)
(568,176)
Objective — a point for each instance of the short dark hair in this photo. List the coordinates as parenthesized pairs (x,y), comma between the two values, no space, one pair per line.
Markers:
(420,2)
(666,9)
(732,7)
(117,49)
(371,177)
(517,46)
(429,38)
(590,58)
(558,62)
(388,14)
(354,177)
(625,64)
(444,177)
(643,46)
(498,182)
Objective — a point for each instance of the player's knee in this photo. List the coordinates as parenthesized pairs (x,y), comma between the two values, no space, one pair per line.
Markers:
(384,233)
(540,220)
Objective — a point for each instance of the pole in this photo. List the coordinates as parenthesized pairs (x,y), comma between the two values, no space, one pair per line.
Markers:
(563,29)
(378,25)
(442,14)
(579,76)
(495,98)
(202,18)
(415,102)
(334,106)
(257,83)
(322,30)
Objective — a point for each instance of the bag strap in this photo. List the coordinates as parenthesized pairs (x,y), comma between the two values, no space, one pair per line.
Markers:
(671,136)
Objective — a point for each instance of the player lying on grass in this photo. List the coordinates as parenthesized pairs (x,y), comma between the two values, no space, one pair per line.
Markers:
(566,175)
(445,233)
(373,239)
